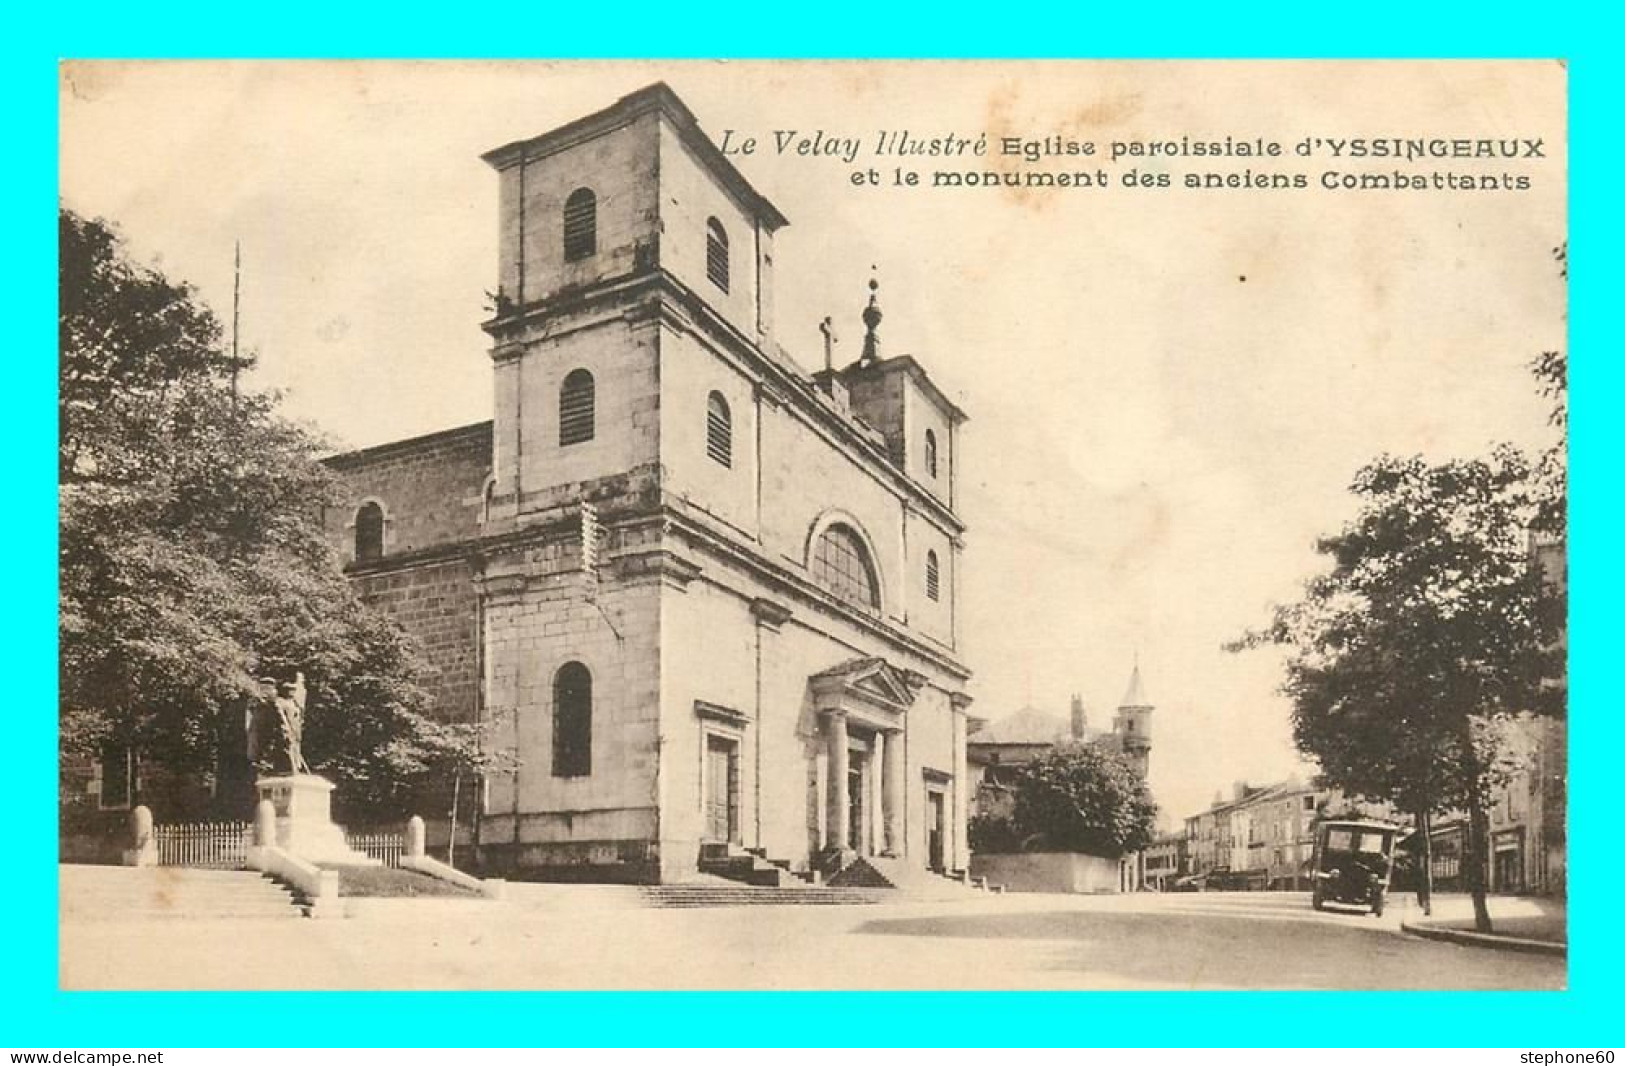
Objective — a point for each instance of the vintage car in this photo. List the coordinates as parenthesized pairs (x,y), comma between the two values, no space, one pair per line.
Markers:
(1354,862)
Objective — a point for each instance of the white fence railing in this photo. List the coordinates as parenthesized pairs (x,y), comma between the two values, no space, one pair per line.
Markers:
(217,845)
(220,845)
(385,847)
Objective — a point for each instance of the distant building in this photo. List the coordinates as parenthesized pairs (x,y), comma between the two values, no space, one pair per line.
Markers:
(1163,862)
(1528,813)
(1528,834)
(999,750)
(1261,837)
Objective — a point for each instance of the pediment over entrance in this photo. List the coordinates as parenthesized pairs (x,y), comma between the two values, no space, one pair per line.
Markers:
(868,688)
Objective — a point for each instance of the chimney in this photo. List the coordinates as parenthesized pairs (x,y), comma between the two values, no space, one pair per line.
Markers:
(1080,723)
(1240,790)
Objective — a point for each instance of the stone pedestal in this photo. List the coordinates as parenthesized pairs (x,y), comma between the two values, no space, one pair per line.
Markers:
(304,819)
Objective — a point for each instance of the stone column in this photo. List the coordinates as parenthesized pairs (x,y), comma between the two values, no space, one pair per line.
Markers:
(873,798)
(959,836)
(143,850)
(821,796)
(839,814)
(891,784)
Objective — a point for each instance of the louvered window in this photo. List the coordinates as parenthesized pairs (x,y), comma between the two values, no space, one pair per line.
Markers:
(580,225)
(933,576)
(716,254)
(576,408)
(719,430)
(841,565)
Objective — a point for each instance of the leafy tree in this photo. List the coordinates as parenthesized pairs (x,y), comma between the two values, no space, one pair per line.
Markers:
(1551,370)
(994,834)
(1431,630)
(192,559)
(1083,798)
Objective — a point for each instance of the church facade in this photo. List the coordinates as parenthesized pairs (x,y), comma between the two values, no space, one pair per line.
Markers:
(707,600)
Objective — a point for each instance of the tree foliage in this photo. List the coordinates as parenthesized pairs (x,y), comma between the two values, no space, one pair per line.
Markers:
(1432,622)
(1431,630)
(1082,798)
(1551,370)
(192,557)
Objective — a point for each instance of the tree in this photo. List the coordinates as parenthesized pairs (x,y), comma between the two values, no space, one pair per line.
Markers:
(192,559)
(1431,630)
(1551,370)
(1083,798)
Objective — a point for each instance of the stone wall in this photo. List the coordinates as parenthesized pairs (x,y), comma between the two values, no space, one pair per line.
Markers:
(1048,871)
(543,611)
(436,603)
(430,489)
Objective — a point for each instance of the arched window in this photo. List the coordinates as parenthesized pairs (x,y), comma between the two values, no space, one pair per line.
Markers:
(369,532)
(931,453)
(716,254)
(575,408)
(580,225)
(841,564)
(488,497)
(572,721)
(719,430)
(933,576)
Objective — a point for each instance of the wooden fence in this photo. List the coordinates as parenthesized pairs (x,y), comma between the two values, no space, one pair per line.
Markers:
(216,845)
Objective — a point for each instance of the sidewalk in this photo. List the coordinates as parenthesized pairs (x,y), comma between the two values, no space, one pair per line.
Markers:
(1521,923)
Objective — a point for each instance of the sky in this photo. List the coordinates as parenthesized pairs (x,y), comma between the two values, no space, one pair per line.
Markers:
(1169,389)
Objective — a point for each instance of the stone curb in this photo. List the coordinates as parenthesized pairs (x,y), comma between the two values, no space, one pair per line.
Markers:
(1485,940)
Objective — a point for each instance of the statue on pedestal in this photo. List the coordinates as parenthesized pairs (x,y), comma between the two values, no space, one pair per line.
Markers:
(276,725)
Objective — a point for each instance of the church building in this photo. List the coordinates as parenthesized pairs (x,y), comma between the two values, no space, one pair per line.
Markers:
(710,601)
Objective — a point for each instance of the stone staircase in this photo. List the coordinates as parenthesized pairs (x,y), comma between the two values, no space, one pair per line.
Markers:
(100,893)
(751,866)
(734,876)
(875,872)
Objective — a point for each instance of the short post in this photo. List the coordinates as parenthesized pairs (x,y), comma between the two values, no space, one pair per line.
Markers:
(144,844)
(265,824)
(414,837)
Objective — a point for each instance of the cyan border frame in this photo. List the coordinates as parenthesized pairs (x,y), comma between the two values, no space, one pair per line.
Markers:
(35,1013)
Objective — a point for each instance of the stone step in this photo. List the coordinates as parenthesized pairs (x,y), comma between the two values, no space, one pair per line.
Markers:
(100,874)
(197,910)
(91,893)
(271,894)
(744,896)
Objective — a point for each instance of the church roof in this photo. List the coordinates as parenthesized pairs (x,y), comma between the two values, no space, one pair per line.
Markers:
(1135,696)
(1026,726)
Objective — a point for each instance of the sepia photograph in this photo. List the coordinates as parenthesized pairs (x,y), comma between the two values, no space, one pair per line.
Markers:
(813,525)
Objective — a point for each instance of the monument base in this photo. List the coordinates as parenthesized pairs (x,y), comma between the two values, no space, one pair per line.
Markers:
(304,820)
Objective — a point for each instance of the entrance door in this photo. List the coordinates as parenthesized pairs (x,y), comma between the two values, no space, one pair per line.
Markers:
(1509,871)
(721,790)
(856,837)
(936,822)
